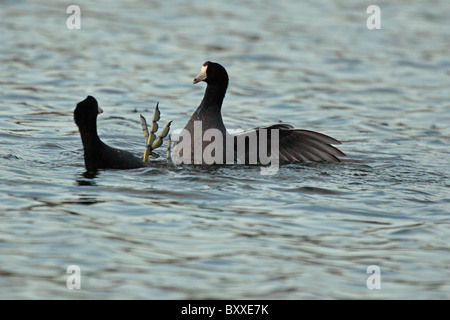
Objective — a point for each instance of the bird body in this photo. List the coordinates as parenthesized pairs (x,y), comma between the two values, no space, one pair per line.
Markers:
(280,141)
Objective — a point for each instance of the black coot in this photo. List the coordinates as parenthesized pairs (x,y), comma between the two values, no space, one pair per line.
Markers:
(295,145)
(98,155)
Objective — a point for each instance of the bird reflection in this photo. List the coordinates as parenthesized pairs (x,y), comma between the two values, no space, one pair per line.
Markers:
(87,178)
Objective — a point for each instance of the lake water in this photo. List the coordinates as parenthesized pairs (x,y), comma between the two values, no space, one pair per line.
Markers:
(182,232)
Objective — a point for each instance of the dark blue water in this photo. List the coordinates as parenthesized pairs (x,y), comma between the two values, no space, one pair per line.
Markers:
(166,232)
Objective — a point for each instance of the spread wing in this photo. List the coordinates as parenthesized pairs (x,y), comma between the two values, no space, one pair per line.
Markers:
(296,145)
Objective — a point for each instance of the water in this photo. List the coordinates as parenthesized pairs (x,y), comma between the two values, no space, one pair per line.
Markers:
(176,232)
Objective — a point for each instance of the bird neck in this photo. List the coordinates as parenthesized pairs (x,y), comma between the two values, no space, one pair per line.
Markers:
(213,99)
(89,136)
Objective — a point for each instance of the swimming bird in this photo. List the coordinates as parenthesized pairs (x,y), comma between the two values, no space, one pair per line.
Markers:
(98,155)
(294,145)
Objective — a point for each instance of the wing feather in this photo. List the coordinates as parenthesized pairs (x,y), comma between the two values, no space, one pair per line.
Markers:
(297,145)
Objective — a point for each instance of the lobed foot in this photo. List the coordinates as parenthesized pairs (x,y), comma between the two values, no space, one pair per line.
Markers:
(151,141)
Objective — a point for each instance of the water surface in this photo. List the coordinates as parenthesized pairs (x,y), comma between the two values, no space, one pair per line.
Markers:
(178,232)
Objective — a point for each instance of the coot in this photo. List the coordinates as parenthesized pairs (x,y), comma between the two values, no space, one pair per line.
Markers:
(98,155)
(294,145)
